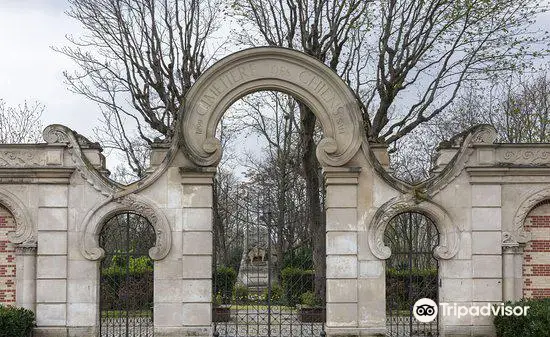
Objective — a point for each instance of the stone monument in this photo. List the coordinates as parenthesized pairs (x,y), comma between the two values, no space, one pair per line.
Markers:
(256,262)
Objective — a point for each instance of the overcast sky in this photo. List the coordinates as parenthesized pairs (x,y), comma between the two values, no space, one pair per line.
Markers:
(31,70)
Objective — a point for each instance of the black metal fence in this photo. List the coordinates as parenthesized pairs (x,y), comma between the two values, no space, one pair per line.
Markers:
(411,273)
(126,281)
(264,278)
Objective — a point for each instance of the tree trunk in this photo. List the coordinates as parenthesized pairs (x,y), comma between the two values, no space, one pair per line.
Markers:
(317,219)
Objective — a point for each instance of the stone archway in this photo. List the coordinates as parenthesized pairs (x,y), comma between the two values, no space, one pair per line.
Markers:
(449,233)
(337,110)
(95,219)
(279,69)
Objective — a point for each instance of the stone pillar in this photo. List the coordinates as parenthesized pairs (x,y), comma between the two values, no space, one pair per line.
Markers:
(512,271)
(197,202)
(486,252)
(25,257)
(508,272)
(51,263)
(518,272)
(341,254)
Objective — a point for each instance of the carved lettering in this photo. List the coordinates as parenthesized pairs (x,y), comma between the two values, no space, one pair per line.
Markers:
(281,70)
(339,119)
(319,87)
(325,92)
(224,83)
(199,127)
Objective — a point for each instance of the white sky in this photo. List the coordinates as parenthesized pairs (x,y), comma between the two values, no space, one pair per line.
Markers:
(31,70)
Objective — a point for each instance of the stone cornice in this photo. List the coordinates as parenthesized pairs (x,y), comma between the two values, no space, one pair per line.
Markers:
(499,171)
(36,175)
(341,175)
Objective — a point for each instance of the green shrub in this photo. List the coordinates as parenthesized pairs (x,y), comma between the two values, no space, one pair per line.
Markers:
(240,294)
(120,261)
(15,322)
(535,324)
(397,281)
(117,285)
(296,281)
(224,281)
(276,294)
(301,257)
(308,299)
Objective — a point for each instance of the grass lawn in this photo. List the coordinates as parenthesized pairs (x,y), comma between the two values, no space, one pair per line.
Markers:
(244,307)
(122,313)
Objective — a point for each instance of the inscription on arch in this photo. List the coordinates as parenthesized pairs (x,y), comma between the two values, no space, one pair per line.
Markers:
(272,69)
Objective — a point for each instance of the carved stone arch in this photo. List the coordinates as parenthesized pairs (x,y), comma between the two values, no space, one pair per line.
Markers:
(94,221)
(518,233)
(24,226)
(449,233)
(271,68)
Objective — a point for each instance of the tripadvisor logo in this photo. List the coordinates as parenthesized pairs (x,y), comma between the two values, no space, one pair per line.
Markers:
(425,310)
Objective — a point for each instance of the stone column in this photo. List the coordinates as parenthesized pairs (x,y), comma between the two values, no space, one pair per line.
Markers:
(51,263)
(197,201)
(341,253)
(512,271)
(518,272)
(25,257)
(508,272)
(486,252)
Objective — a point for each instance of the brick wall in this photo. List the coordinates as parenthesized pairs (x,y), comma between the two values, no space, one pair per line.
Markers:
(536,257)
(7,258)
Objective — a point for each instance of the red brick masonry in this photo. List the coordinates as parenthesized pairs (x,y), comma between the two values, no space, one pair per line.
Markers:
(536,263)
(7,259)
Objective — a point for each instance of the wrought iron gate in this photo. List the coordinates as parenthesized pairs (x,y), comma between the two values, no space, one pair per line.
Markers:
(261,287)
(126,288)
(411,273)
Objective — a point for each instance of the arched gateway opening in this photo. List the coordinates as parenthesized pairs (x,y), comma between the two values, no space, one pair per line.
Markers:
(336,109)
(278,69)
(126,287)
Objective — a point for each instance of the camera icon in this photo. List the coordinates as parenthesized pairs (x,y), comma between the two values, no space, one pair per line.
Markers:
(425,310)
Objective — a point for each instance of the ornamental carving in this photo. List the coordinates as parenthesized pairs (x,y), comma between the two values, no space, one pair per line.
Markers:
(101,213)
(526,157)
(483,134)
(518,233)
(449,233)
(20,158)
(477,135)
(59,134)
(270,68)
(24,226)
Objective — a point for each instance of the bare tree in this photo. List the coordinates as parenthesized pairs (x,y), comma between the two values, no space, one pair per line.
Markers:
(406,60)
(276,174)
(322,30)
(525,111)
(518,108)
(21,124)
(430,49)
(137,60)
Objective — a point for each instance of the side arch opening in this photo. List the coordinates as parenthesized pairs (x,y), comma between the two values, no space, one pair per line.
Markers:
(126,276)
(412,273)
(536,267)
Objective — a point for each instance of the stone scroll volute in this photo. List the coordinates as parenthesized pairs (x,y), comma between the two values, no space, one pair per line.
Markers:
(449,233)
(24,226)
(279,69)
(95,220)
